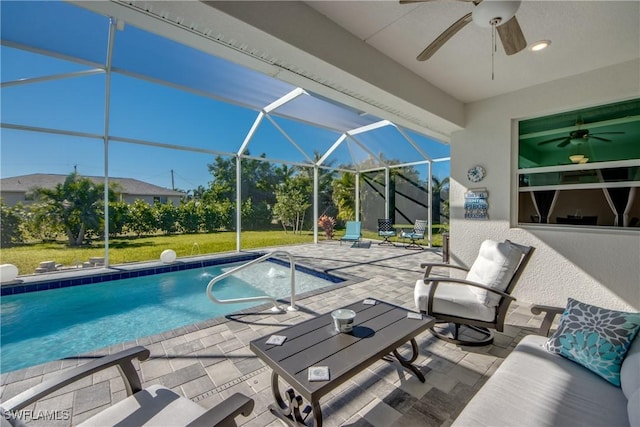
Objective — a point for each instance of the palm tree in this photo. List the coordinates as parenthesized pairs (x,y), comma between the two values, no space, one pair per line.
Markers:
(77,204)
(344,196)
(440,199)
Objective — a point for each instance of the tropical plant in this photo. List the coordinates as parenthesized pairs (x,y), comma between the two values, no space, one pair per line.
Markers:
(293,201)
(118,217)
(328,224)
(77,204)
(167,217)
(344,196)
(142,219)
(188,216)
(40,224)
(440,199)
(259,181)
(10,225)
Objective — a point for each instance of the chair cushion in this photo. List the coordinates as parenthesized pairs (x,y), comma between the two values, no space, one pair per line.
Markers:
(494,267)
(153,406)
(596,338)
(452,299)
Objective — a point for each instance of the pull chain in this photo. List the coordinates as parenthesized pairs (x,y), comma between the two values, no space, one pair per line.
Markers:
(493,50)
(494,45)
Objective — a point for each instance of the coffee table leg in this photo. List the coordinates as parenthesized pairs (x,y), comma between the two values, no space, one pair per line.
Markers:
(290,411)
(408,363)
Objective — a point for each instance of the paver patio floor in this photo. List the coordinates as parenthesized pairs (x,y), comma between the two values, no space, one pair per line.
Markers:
(210,361)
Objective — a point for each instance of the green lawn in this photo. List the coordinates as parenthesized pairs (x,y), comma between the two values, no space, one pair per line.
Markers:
(131,249)
(124,250)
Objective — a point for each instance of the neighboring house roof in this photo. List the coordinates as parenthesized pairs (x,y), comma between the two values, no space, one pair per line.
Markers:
(129,186)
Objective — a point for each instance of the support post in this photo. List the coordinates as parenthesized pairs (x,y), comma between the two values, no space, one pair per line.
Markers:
(430,204)
(357,196)
(386,192)
(238,201)
(112,30)
(315,204)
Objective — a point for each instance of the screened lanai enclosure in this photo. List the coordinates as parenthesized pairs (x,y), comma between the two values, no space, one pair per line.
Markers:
(162,123)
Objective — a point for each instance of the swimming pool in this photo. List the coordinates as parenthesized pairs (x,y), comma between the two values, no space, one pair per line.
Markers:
(42,326)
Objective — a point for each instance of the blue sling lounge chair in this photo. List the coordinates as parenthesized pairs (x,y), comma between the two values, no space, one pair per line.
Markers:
(352,233)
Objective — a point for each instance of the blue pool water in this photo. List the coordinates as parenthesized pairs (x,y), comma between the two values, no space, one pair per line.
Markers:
(38,327)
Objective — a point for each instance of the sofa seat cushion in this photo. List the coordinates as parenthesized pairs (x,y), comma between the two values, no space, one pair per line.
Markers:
(455,300)
(153,406)
(533,387)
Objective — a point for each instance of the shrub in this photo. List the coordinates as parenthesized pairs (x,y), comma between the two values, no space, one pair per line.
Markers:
(328,224)
(142,219)
(10,225)
(189,216)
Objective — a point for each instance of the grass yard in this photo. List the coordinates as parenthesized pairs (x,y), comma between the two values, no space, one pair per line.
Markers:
(131,249)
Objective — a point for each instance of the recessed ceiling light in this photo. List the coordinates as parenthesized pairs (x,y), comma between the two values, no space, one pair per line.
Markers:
(539,45)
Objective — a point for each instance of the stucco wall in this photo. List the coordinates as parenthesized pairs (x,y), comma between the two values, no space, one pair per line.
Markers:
(596,266)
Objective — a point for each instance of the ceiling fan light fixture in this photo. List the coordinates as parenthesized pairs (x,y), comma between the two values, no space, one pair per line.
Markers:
(578,158)
(540,45)
(485,13)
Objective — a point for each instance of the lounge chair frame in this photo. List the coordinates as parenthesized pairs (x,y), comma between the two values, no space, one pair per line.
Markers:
(222,414)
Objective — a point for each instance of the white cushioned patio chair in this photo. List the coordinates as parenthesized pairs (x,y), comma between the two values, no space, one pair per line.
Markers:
(153,406)
(475,305)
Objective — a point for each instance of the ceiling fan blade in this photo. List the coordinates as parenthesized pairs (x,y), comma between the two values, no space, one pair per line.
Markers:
(442,38)
(425,1)
(552,140)
(511,36)
(565,142)
(607,133)
(601,139)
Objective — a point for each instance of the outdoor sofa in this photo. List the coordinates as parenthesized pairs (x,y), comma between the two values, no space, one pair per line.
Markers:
(536,387)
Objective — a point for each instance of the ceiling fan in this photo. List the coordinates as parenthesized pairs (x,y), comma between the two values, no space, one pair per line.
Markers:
(496,14)
(579,136)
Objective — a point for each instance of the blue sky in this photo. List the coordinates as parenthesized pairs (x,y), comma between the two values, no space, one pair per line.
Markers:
(143,110)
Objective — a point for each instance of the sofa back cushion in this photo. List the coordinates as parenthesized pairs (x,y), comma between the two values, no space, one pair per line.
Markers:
(494,267)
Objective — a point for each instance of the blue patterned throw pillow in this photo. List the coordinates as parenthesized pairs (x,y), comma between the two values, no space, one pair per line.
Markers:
(596,338)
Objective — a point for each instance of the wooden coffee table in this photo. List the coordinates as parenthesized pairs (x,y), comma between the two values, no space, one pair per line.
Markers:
(379,331)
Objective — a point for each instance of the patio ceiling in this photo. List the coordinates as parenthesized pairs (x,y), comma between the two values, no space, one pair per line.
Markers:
(81,44)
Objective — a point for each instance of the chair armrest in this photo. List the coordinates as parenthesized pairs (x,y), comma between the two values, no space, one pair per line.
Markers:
(550,314)
(436,280)
(430,265)
(223,414)
(122,359)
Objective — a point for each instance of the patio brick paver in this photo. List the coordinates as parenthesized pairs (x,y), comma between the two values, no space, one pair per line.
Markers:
(208,362)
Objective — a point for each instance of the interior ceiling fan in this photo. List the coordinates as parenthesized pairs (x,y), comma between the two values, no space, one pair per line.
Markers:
(496,14)
(578,136)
